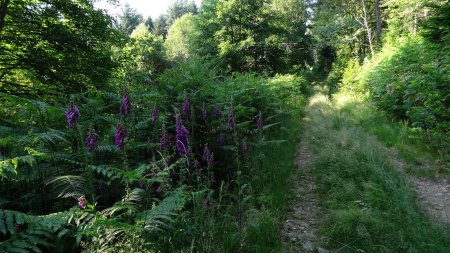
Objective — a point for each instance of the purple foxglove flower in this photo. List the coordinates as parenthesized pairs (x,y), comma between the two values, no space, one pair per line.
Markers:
(208,157)
(91,140)
(170,140)
(76,112)
(244,148)
(159,189)
(121,134)
(230,120)
(221,138)
(217,112)
(182,138)
(186,108)
(72,115)
(155,114)
(142,185)
(125,107)
(101,186)
(204,113)
(260,122)
(81,202)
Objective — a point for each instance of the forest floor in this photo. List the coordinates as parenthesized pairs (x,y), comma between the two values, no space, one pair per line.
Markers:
(330,133)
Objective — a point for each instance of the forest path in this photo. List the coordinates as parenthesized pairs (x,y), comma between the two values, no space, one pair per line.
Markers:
(433,195)
(301,228)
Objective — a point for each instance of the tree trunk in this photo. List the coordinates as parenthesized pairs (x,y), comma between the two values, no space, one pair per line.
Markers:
(3,7)
(365,23)
(378,21)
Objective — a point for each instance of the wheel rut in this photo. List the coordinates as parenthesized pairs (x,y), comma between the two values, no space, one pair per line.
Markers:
(300,229)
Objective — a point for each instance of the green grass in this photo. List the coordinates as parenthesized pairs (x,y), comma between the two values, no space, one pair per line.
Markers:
(370,207)
(421,159)
(272,168)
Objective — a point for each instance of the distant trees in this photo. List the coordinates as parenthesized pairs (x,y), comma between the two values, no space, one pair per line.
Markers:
(160,26)
(129,19)
(149,24)
(180,41)
(262,35)
(177,9)
(141,59)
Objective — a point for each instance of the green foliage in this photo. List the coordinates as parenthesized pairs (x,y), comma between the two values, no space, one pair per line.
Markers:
(262,36)
(129,19)
(160,26)
(131,195)
(179,8)
(141,59)
(180,41)
(409,82)
(407,78)
(437,26)
(54,46)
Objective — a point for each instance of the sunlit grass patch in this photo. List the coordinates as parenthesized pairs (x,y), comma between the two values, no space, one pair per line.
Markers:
(370,207)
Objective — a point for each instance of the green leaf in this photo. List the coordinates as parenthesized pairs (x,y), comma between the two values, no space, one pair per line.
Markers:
(10,223)
(2,223)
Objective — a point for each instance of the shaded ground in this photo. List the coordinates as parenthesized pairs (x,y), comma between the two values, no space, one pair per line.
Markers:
(300,228)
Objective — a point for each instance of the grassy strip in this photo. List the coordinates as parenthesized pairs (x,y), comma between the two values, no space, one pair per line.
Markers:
(422,159)
(371,208)
(272,168)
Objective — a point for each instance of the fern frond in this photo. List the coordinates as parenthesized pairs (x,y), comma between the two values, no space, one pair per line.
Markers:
(128,205)
(68,186)
(51,136)
(161,215)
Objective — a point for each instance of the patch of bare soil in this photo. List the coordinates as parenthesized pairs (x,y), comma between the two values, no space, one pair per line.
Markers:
(300,228)
(433,195)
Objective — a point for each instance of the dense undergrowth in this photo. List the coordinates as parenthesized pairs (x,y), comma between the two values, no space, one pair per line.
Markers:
(408,78)
(198,164)
(410,81)
(369,206)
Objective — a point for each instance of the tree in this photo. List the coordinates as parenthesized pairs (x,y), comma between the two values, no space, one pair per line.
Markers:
(3,8)
(289,25)
(245,36)
(70,47)
(180,41)
(192,8)
(208,25)
(160,26)
(149,24)
(178,8)
(129,19)
(378,21)
(365,23)
(141,59)
(437,27)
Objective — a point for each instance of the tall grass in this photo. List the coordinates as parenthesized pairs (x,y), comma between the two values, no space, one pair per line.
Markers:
(370,207)
(421,159)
